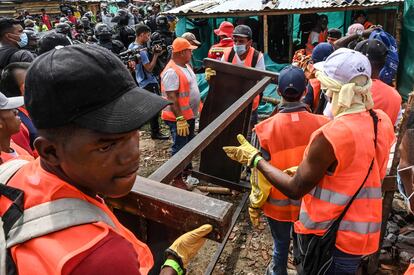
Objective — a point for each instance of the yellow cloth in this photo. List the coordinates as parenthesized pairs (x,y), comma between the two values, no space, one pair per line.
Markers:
(188,244)
(346,98)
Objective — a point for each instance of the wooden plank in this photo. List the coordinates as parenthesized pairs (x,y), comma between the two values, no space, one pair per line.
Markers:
(175,207)
(229,85)
(169,170)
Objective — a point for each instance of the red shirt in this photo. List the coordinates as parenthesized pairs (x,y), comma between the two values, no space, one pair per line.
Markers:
(112,255)
(46,21)
(386,98)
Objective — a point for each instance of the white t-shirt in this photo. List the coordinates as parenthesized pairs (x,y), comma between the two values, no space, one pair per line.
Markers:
(259,65)
(314,37)
(171,82)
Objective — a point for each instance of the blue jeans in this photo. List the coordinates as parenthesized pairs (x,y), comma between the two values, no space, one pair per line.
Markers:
(343,263)
(179,141)
(281,240)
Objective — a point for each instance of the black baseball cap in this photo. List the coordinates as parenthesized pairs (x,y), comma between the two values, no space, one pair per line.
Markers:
(334,33)
(242,31)
(292,81)
(89,86)
(374,49)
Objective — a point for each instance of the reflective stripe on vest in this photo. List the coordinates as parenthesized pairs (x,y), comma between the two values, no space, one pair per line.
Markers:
(342,199)
(285,202)
(183,94)
(357,227)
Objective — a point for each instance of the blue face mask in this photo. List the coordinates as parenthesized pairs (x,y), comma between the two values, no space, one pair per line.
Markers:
(239,49)
(402,189)
(24,40)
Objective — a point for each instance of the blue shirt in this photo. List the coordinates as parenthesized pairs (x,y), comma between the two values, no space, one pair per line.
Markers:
(143,77)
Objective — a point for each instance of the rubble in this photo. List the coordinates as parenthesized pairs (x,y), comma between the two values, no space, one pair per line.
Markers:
(398,245)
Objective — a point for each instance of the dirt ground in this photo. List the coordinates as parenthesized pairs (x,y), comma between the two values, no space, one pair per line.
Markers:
(248,250)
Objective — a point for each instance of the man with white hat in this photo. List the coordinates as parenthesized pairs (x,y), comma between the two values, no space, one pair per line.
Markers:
(340,176)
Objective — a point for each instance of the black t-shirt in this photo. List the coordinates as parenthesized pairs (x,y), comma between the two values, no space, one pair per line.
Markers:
(10,54)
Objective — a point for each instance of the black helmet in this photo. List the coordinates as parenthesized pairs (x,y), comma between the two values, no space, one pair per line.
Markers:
(85,21)
(161,20)
(102,29)
(63,28)
(88,15)
(155,36)
(50,40)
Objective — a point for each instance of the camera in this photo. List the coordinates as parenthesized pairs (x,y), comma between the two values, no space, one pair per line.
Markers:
(131,55)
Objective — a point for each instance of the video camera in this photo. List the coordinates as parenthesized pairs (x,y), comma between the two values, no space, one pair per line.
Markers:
(131,55)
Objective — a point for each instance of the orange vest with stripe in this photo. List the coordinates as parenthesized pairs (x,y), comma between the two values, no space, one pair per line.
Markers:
(20,153)
(285,136)
(322,38)
(248,63)
(316,87)
(352,139)
(47,255)
(183,94)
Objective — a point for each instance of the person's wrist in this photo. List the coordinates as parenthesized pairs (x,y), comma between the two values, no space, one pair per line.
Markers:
(256,160)
(170,262)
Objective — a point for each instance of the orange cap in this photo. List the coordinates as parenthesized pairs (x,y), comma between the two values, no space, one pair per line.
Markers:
(180,44)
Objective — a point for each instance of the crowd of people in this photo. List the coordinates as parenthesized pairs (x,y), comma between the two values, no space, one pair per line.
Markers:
(75,92)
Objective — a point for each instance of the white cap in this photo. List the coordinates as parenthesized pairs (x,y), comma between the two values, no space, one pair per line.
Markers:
(345,64)
(9,103)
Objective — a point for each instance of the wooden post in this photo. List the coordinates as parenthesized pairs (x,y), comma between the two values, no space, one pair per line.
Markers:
(388,192)
(265,35)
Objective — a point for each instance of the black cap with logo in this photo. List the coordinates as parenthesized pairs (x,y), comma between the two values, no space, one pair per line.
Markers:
(89,86)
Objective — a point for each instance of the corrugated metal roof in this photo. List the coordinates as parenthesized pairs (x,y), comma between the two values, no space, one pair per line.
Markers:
(234,6)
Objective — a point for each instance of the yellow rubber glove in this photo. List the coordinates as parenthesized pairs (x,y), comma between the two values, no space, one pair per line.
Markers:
(209,73)
(183,129)
(260,189)
(188,244)
(254,214)
(245,153)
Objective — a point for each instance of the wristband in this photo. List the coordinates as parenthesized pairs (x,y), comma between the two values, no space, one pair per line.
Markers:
(256,161)
(174,265)
(179,118)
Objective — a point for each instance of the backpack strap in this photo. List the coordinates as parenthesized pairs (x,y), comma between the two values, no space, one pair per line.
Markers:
(255,58)
(231,55)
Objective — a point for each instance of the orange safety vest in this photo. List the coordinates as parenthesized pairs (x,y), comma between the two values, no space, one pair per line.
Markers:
(285,136)
(248,63)
(48,254)
(352,139)
(20,153)
(183,94)
(316,87)
(410,270)
(322,38)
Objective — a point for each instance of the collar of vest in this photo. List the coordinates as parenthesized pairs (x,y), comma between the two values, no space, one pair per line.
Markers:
(291,107)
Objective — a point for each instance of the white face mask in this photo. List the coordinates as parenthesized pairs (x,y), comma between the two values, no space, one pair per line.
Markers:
(239,49)
(402,190)
(24,40)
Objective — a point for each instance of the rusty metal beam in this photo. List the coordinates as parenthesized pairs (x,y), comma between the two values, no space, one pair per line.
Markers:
(175,207)
(169,170)
(241,186)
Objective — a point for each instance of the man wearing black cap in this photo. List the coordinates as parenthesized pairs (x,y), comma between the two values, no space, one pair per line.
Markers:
(385,97)
(88,143)
(292,127)
(243,53)
(333,35)
(12,40)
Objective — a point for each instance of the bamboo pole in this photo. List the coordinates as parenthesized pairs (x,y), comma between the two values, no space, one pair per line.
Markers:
(265,35)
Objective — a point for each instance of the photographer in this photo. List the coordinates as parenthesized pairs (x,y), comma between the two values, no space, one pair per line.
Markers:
(144,71)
